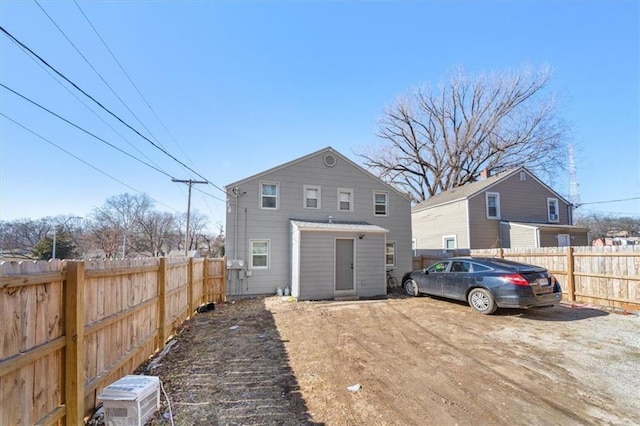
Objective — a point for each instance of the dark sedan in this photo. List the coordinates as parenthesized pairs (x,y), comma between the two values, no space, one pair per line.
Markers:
(486,283)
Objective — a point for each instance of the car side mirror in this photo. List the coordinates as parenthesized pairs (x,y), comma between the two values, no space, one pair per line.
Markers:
(425,271)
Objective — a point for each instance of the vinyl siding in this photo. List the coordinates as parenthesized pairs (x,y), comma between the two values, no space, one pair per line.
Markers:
(430,225)
(256,223)
(518,236)
(485,233)
(317,262)
(522,201)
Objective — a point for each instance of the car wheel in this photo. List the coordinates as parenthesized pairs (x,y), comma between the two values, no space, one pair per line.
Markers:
(481,301)
(411,288)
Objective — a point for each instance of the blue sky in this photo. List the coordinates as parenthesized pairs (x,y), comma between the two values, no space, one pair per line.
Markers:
(245,86)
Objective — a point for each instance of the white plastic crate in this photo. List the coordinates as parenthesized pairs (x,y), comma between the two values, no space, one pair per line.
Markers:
(130,401)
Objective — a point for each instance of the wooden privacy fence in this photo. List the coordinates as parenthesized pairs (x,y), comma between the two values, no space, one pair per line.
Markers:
(606,276)
(68,328)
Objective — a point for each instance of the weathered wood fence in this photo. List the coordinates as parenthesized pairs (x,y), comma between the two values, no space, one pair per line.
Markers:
(69,328)
(605,276)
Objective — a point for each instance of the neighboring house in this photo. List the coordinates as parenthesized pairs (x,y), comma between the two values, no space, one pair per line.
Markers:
(615,241)
(320,225)
(510,210)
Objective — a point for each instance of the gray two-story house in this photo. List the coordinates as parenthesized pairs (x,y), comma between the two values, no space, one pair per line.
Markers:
(320,225)
(512,209)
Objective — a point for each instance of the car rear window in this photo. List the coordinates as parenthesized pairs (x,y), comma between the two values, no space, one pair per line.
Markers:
(479,268)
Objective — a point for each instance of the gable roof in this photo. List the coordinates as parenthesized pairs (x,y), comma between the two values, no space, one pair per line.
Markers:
(328,149)
(469,190)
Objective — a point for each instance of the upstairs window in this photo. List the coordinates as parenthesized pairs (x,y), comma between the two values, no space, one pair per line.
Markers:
(390,254)
(493,205)
(269,195)
(345,200)
(552,210)
(380,203)
(311,197)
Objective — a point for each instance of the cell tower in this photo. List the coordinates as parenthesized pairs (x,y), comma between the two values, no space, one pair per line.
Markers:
(574,192)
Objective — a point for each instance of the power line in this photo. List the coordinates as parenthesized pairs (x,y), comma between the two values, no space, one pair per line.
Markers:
(96,71)
(611,201)
(85,131)
(15,40)
(104,43)
(83,161)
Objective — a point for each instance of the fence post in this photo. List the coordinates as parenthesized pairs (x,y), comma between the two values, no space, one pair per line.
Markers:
(571,290)
(162,302)
(501,253)
(223,285)
(74,343)
(206,294)
(190,304)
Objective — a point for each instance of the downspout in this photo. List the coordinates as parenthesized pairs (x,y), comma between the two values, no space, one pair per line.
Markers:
(537,237)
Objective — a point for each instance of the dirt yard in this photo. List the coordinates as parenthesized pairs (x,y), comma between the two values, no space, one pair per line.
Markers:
(412,360)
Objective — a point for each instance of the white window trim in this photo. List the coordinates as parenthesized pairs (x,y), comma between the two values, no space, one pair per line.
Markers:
(352,199)
(277,184)
(386,203)
(304,196)
(449,237)
(395,248)
(557,219)
(486,199)
(268,253)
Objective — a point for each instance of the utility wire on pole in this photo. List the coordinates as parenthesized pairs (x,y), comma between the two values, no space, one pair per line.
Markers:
(190,183)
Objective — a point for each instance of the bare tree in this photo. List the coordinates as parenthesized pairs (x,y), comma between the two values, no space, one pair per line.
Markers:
(215,243)
(116,222)
(197,229)
(436,140)
(602,225)
(156,232)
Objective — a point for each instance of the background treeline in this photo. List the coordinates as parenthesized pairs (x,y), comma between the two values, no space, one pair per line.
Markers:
(125,226)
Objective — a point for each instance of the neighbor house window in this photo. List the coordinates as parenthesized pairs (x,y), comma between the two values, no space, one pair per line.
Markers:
(259,254)
(390,254)
(449,242)
(269,195)
(493,205)
(345,199)
(380,203)
(311,197)
(552,210)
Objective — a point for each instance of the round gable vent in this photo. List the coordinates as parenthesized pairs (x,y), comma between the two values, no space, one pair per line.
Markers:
(329,160)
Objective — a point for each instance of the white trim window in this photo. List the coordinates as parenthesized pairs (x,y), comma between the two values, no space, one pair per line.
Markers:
(259,254)
(312,197)
(552,210)
(449,242)
(269,195)
(493,205)
(390,253)
(380,203)
(345,199)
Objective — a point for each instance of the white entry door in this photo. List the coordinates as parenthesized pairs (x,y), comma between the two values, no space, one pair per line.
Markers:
(564,240)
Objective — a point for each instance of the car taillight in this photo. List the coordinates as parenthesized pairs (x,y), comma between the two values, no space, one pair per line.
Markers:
(516,279)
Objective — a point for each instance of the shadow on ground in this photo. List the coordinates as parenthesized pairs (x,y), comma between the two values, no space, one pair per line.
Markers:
(230,366)
(565,311)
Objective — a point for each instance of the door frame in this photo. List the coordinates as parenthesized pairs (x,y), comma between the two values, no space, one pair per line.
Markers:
(353,291)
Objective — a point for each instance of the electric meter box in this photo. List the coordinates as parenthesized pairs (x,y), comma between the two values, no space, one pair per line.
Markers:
(131,400)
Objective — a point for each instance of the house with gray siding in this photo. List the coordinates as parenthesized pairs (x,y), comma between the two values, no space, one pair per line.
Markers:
(510,210)
(320,225)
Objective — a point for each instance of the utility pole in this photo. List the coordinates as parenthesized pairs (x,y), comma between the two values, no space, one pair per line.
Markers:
(190,183)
